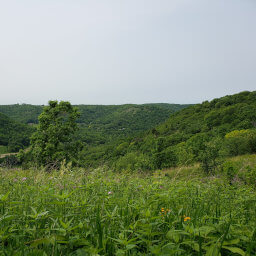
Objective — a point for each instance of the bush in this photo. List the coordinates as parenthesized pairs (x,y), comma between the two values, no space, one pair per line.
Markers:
(184,154)
(165,159)
(133,161)
(239,142)
(210,156)
(9,161)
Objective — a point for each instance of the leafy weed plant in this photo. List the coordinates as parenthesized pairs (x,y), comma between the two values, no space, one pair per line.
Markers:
(105,213)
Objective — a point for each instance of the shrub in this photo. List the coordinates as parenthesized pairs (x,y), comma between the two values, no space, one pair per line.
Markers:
(165,159)
(210,156)
(239,142)
(133,161)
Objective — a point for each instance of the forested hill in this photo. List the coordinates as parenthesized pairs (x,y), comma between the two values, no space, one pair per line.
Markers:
(220,116)
(103,123)
(189,133)
(151,136)
(101,114)
(13,135)
(100,124)
(23,113)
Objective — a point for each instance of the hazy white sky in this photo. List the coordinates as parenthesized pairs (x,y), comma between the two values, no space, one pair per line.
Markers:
(126,51)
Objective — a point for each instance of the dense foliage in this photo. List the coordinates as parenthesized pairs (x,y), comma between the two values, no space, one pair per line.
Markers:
(181,212)
(126,137)
(13,135)
(105,124)
(101,124)
(53,142)
(197,133)
(23,113)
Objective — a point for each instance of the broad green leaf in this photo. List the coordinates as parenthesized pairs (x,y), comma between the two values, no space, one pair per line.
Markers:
(130,246)
(4,198)
(46,240)
(212,250)
(235,250)
(231,242)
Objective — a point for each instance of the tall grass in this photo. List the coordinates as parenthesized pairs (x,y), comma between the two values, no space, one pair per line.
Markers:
(105,213)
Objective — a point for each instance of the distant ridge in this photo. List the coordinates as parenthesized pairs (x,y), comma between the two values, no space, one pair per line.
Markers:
(183,136)
(103,123)
(27,113)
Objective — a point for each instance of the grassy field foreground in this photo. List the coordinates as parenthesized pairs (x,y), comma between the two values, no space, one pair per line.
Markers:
(175,212)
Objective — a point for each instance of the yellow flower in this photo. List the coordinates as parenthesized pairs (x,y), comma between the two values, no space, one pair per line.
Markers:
(165,211)
(187,218)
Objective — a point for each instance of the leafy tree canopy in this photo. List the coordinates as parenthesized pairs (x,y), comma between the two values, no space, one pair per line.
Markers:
(53,141)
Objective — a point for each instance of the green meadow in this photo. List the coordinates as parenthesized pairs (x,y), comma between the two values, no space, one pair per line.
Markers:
(178,211)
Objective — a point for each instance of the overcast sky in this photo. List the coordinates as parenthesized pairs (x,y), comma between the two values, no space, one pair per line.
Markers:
(126,51)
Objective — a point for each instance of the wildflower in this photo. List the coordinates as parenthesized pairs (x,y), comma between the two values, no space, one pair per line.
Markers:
(24,178)
(187,218)
(165,211)
(110,192)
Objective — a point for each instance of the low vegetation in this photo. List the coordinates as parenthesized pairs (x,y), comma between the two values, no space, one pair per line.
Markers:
(173,212)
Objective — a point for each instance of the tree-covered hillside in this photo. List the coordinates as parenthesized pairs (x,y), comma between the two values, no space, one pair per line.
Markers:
(13,135)
(26,113)
(103,123)
(23,113)
(143,137)
(198,133)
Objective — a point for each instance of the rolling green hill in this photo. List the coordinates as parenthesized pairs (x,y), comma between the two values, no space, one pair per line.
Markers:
(13,135)
(192,134)
(103,123)
(23,113)
(143,137)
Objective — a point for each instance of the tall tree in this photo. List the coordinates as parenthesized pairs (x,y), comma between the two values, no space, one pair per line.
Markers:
(53,141)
